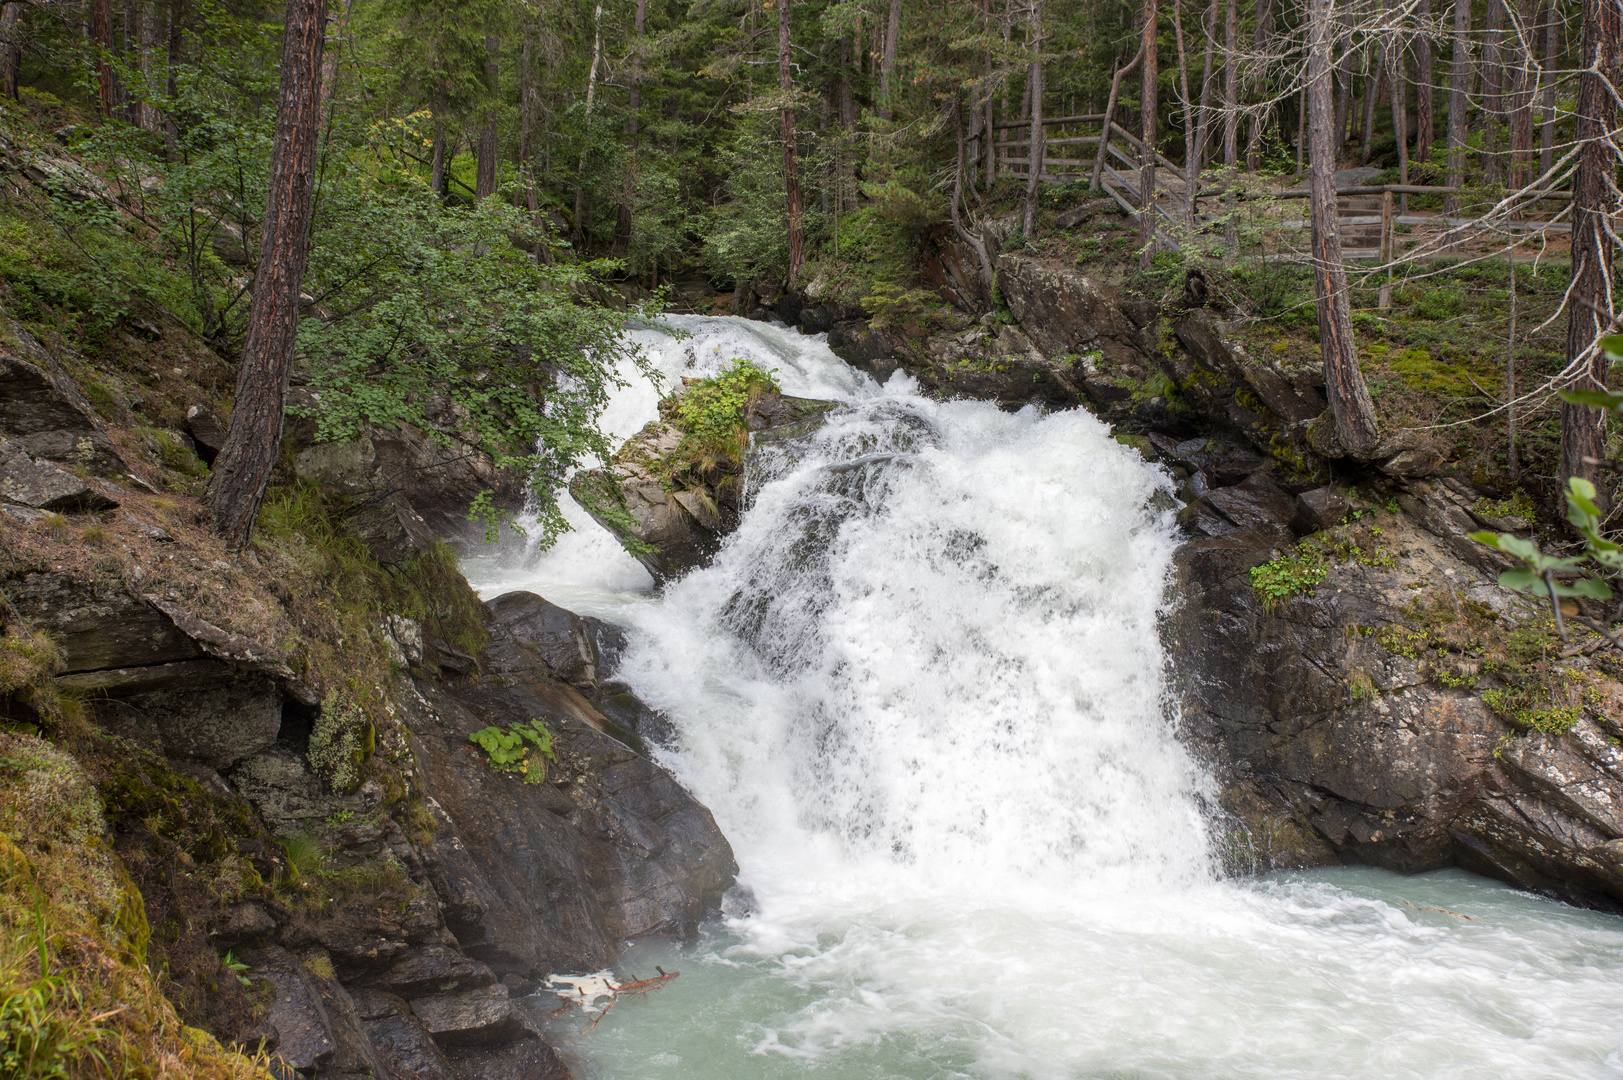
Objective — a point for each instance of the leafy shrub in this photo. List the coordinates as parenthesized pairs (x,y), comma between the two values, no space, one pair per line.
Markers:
(711,411)
(1296,573)
(511,751)
(341,742)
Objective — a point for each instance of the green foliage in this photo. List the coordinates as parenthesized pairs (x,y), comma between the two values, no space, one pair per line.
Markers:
(37,1040)
(306,857)
(1516,705)
(524,747)
(1291,574)
(711,411)
(29,662)
(341,742)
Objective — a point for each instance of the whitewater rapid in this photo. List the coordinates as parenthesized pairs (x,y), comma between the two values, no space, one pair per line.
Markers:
(923,692)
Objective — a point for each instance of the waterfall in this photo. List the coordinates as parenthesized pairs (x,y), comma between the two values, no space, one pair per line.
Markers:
(923,691)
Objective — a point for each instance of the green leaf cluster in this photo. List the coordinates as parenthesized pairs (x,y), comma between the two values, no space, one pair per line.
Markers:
(523,747)
(711,412)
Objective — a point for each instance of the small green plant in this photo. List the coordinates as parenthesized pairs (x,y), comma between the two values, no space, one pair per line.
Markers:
(237,967)
(1298,572)
(340,817)
(341,742)
(36,1043)
(1399,640)
(523,748)
(306,858)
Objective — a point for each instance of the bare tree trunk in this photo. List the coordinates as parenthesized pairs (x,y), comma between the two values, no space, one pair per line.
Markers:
(526,119)
(1374,88)
(1231,87)
(591,101)
(1595,205)
(1034,82)
(639,21)
(1110,114)
(1459,85)
(1204,123)
(150,43)
(436,164)
(887,66)
(1344,92)
(101,35)
(1511,463)
(1350,403)
(1552,56)
(1263,35)
(243,468)
(1400,108)
(329,63)
(1425,112)
(1524,78)
(791,177)
(1191,167)
(1148,85)
(490,162)
(964,235)
(11,41)
(1493,85)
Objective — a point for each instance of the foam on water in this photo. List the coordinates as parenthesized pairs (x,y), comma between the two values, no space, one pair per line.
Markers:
(921,688)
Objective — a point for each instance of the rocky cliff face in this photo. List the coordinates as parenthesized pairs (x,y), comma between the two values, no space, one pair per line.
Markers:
(282,754)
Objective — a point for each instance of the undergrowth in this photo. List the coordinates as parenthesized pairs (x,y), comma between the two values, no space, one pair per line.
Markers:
(711,412)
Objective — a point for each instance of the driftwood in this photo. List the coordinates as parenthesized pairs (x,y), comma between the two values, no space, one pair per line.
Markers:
(1443,911)
(635,986)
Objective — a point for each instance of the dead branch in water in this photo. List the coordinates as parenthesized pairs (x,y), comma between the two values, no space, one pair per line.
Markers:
(1442,911)
(635,986)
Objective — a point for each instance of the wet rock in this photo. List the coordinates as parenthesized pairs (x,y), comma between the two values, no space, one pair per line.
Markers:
(406,1049)
(316,1023)
(482,1016)
(1294,397)
(205,709)
(559,638)
(391,529)
(531,1059)
(44,412)
(556,876)
(431,969)
(98,623)
(243,923)
(865,347)
(44,486)
(1254,504)
(1321,508)
(1065,313)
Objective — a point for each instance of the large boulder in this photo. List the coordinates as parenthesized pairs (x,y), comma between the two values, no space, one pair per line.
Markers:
(45,486)
(1066,313)
(1269,404)
(671,508)
(44,412)
(1340,734)
(557,875)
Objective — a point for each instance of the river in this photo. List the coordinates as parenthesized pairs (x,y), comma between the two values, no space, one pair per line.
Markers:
(923,691)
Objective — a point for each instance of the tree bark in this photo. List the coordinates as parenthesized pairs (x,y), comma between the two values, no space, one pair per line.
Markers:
(591,101)
(1595,205)
(633,121)
(1344,92)
(11,41)
(436,165)
(329,63)
(1110,114)
(1148,85)
(526,118)
(791,178)
(1231,87)
(1399,86)
(243,468)
(1425,111)
(1350,403)
(1493,85)
(1034,82)
(1524,84)
(490,163)
(1374,88)
(101,35)
(1552,56)
(964,235)
(1262,36)
(1459,85)
(1191,167)
(887,66)
(1203,124)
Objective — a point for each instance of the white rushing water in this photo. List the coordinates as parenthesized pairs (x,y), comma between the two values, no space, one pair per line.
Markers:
(921,688)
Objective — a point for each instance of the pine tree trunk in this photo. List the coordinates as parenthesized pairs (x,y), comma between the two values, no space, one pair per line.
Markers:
(1425,110)
(580,223)
(791,176)
(1459,85)
(1191,167)
(887,67)
(243,468)
(1231,87)
(1374,89)
(329,63)
(1034,85)
(1150,108)
(1344,91)
(1350,403)
(101,36)
(11,42)
(1259,122)
(490,162)
(1203,125)
(1595,205)
(436,166)
(1493,86)
(622,229)
(1110,114)
(1523,81)
(526,119)
(1552,56)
